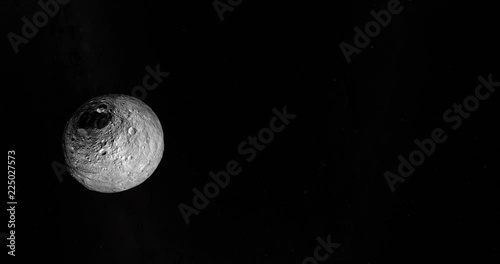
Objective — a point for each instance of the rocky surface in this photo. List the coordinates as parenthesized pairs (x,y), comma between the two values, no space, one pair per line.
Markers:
(113,143)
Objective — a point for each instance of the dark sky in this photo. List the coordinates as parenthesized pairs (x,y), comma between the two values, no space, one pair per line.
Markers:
(323,175)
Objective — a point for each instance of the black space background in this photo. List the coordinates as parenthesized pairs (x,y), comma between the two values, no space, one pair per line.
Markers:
(323,175)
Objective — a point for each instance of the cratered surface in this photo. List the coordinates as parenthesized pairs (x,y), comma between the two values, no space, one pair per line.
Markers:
(113,143)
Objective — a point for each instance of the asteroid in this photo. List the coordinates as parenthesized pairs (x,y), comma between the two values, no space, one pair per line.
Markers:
(112,143)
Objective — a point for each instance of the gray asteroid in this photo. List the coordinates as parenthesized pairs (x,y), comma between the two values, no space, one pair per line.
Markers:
(113,143)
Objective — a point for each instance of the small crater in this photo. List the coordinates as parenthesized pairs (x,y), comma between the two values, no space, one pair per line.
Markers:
(102,108)
(102,152)
(132,131)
